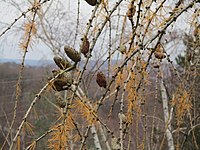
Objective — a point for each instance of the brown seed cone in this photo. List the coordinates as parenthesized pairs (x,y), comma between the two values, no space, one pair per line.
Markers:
(159,52)
(85,46)
(62,63)
(72,54)
(63,82)
(91,2)
(60,85)
(101,79)
(159,55)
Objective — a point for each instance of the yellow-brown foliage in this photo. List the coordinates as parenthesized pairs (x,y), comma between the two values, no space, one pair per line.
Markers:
(181,101)
(61,134)
(30,31)
(85,111)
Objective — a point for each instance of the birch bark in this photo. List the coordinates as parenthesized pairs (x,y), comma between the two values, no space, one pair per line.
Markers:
(167,117)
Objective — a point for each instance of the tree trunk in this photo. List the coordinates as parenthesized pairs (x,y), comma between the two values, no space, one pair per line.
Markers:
(167,119)
(95,137)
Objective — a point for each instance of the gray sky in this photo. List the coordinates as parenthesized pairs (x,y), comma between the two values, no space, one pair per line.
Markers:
(9,43)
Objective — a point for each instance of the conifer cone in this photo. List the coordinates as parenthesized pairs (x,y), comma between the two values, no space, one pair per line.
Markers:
(101,79)
(85,46)
(72,54)
(59,85)
(62,82)
(159,52)
(62,63)
(91,2)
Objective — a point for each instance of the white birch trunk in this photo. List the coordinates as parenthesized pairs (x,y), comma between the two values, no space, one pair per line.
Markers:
(167,117)
(102,133)
(95,137)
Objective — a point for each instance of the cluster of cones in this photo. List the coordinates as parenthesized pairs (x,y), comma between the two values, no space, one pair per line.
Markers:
(64,80)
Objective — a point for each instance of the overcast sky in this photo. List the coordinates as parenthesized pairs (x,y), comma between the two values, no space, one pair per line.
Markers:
(9,43)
